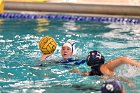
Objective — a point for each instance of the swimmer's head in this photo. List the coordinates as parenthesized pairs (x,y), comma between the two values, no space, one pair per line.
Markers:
(95,58)
(111,86)
(68,50)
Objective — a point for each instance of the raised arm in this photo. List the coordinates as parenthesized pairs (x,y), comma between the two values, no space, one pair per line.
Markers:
(110,66)
(44,56)
(108,69)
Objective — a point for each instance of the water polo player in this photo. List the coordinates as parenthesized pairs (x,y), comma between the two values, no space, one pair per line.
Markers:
(98,66)
(67,51)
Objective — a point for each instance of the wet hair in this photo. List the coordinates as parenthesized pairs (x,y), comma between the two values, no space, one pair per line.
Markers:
(95,58)
(111,86)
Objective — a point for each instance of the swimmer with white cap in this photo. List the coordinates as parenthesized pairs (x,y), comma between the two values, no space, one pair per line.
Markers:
(68,51)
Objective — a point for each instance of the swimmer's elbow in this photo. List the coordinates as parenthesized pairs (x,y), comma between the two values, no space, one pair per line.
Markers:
(124,58)
(105,71)
(123,90)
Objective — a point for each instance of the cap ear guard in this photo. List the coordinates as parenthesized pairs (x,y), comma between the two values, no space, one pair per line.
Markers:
(89,60)
(73,47)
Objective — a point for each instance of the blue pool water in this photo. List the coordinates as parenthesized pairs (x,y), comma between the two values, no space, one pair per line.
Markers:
(19,54)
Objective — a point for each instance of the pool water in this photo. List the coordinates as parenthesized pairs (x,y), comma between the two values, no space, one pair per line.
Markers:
(19,54)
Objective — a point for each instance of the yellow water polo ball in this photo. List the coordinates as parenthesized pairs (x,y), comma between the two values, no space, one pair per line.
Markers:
(47,45)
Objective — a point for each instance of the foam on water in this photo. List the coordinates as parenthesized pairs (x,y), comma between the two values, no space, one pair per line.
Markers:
(129,71)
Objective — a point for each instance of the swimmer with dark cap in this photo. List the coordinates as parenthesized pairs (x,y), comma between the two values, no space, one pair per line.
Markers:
(98,66)
(112,86)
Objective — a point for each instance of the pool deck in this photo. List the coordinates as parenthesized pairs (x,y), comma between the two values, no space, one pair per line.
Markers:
(73,8)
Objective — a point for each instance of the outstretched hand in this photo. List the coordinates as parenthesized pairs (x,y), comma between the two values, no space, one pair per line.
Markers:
(74,71)
(44,56)
(130,83)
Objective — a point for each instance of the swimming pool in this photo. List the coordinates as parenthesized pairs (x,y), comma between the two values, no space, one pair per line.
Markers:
(19,52)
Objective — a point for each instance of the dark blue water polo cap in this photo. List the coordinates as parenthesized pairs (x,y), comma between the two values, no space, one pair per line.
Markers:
(111,86)
(95,58)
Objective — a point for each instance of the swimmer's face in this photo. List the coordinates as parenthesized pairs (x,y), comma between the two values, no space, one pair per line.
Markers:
(66,52)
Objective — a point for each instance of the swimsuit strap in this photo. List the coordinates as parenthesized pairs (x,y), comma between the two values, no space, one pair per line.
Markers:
(73,61)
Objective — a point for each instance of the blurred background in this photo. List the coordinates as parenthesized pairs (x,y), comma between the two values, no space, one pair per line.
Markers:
(112,2)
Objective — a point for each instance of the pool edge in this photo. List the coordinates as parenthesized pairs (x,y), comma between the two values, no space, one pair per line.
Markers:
(71,8)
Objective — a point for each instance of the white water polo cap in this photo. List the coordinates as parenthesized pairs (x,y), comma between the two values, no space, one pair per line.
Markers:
(71,45)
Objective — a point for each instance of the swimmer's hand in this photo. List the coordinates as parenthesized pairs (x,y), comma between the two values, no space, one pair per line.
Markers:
(75,71)
(128,81)
(44,56)
(125,79)
(105,77)
(131,85)
(81,73)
